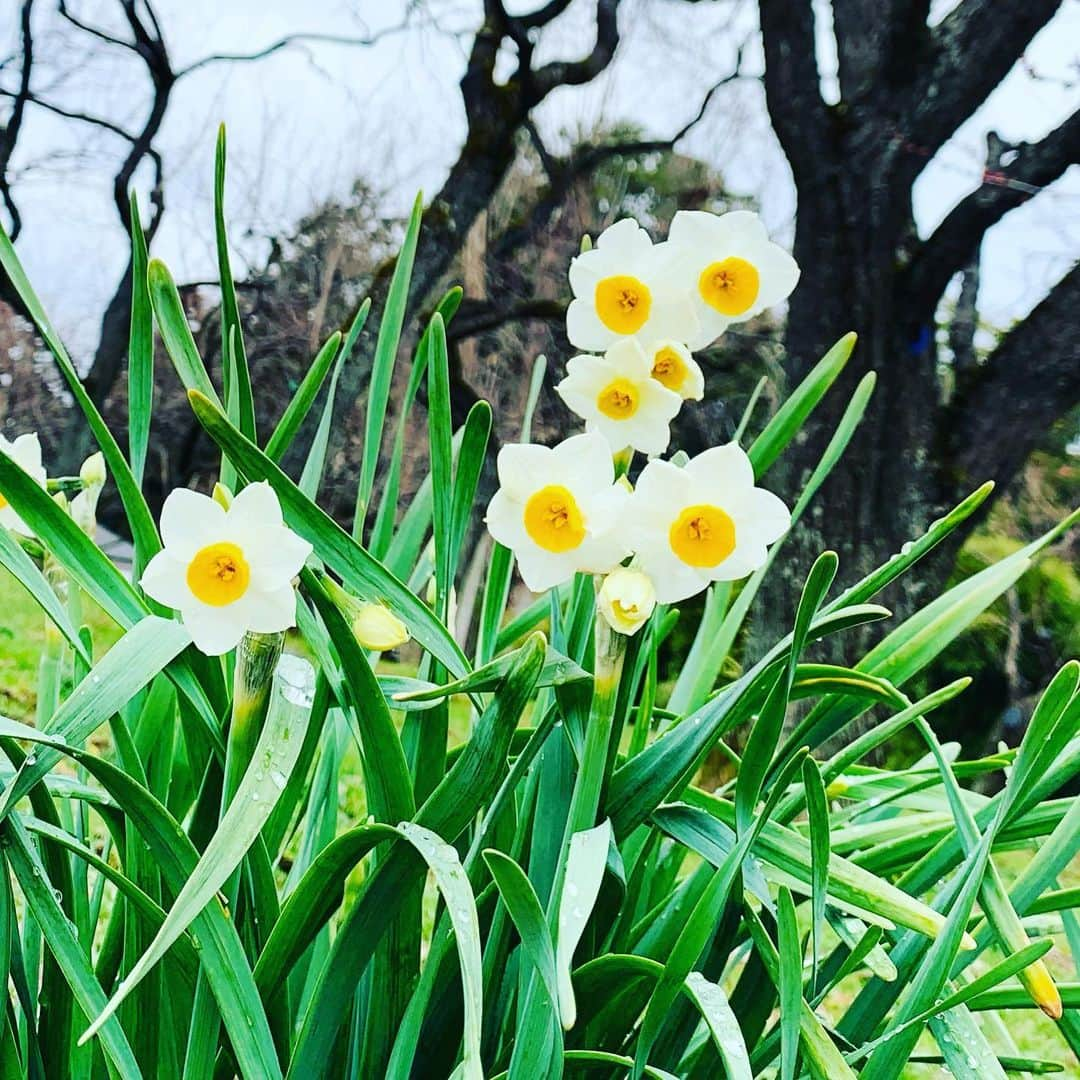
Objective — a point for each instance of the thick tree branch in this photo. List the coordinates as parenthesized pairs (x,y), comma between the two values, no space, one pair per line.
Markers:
(10,134)
(973,49)
(480,316)
(578,72)
(955,242)
(792,91)
(1030,380)
(544,15)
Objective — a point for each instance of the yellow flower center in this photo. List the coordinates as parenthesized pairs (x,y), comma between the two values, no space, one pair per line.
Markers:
(553,520)
(618,400)
(623,303)
(702,535)
(669,368)
(218,574)
(3,502)
(730,286)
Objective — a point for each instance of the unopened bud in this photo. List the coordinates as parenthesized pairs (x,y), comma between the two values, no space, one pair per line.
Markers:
(377,627)
(626,600)
(222,496)
(93,473)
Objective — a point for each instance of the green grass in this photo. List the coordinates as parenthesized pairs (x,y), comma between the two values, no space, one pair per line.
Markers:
(22,640)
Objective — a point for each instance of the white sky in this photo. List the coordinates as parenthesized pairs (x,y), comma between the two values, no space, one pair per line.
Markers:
(304,124)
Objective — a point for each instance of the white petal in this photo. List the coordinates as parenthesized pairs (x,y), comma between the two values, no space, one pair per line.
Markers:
(504,520)
(598,555)
(661,492)
(214,630)
(724,472)
(626,241)
(762,515)
(26,453)
(274,553)
(628,359)
(672,316)
(165,580)
(605,509)
(747,557)
(190,521)
(541,570)
(523,468)
(584,274)
(583,462)
(257,504)
(269,611)
(584,328)
(778,273)
(673,579)
(710,323)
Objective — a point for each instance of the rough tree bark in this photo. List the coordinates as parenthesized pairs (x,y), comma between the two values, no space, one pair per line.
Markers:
(905,88)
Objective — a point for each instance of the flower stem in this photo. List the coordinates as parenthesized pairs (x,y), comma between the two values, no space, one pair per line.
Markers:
(256,658)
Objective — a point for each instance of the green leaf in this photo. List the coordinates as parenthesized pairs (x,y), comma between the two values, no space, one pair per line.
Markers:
(140,350)
(791,996)
(300,404)
(788,421)
(237,376)
(383,528)
(585,862)
(454,885)
(65,947)
(382,369)
(271,764)
(315,463)
(722,1023)
(817,810)
(442,480)
(386,772)
(175,332)
(148,647)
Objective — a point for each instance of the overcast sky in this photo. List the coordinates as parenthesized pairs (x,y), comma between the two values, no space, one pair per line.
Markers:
(305,123)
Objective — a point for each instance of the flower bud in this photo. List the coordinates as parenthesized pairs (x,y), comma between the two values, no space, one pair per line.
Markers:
(626,600)
(222,496)
(377,627)
(93,474)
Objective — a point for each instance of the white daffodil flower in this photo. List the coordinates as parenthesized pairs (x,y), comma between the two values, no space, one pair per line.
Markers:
(559,509)
(702,523)
(626,599)
(729,266)
(226,571)
(616,395)
(675,368)
(621,289)
(25,451)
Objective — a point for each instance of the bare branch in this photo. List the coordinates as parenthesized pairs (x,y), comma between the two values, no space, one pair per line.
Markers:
(289,40)
(956,240)
(578,72)
(93,31)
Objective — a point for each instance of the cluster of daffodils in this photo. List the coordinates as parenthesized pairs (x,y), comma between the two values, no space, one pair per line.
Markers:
(639,311)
